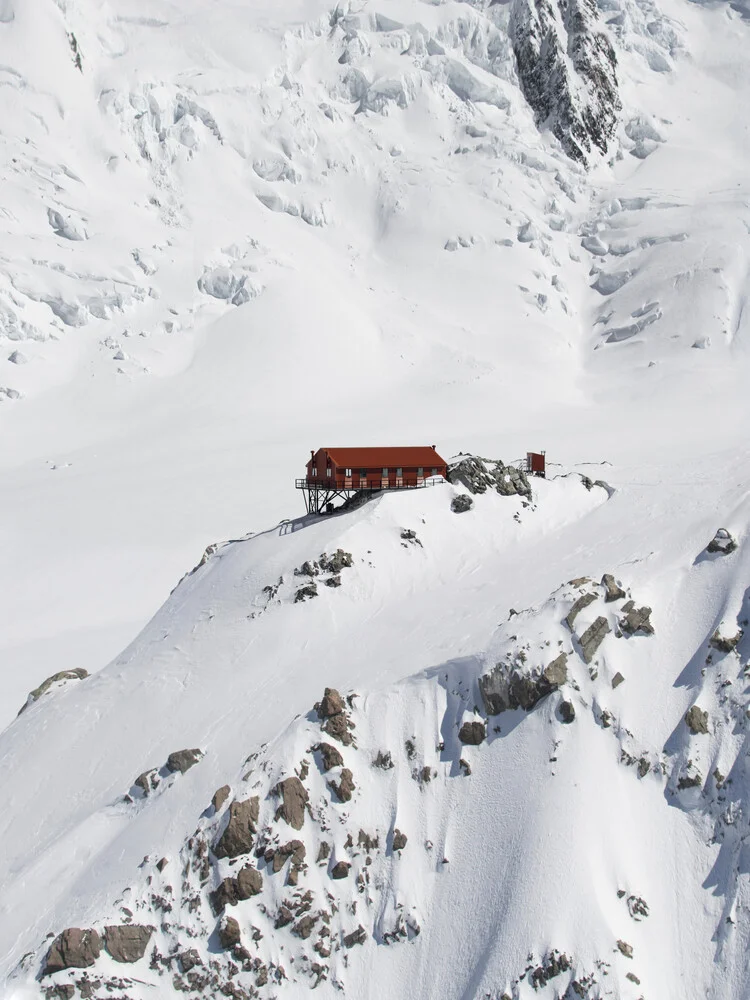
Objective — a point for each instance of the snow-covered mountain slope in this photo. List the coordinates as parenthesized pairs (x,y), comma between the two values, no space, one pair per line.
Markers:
(555,836)
(233,222)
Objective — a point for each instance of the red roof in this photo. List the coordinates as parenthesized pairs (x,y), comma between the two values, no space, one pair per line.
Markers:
(373,458)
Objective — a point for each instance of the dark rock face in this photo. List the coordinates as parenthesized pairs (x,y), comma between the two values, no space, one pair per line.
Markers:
(480,474)
(617,680)
(76,674)
(332,710)
(593,637)
(293,802)
(637,620)
(305,593)
(237,837)
(568,72)
(127,942)
(74,948)
(332,704)
(583,602)
(614,590)
(220,797)
(330,756)
(461,503)
(567,712)
(724,643)
(340,870)
(248,882)
(697,720)
(183,760)
(295,850)
(229,933)
(345,786)
(189,959)
(505,687)
(722,542)
(399,840)
(472,733)
(304,927)
(356,937)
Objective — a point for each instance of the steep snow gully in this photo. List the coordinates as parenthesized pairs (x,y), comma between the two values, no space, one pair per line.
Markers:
(472,741)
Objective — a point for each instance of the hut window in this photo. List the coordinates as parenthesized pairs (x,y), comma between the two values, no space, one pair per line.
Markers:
(399,472)
(348,473)
(328,471)
(363,473)
(434,472)
(420,471)
(385,473)
(314,471)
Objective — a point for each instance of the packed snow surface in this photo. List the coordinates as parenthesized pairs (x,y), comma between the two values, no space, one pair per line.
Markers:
(234,232)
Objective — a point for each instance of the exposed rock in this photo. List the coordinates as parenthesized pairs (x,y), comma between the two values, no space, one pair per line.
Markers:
(633,978)
(614,590)
(625,948)
(592,638)
(637,907)
(409,535)
(293,801)
(461,503)
(567,70)
(627,606)
(295,850)
(340,869)
(476,475)
(305,593)
(323,852)
(567,712)
(689,781)
(304,927)
(356,937)
(617,680)
(332,704)
(333,581)
(229,933)
(399,840)
(582,602)
(183,760)
(637,620)
(335,563)
(283,917)
(338,727)
(472,733)
(76,674)
(345,786)
(553,964)
(506,687)
(724,643)
(465,766)
(330,756)
(220,797)
(74,948)
(237,837)
(383,760)
(189,960)
(127,942)
(722,542)
(148,781)
(697,720)
(61,991)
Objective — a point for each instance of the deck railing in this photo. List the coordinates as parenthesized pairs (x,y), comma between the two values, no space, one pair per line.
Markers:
(354,483)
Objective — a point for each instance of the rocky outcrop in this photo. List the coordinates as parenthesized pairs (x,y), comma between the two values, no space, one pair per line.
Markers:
(74,948)
(722,543)
(340,870)
(229,933)
(567,69)
(76,674)
(336,722)
(617,680)
(345,786)
(399,840)
(239,832)
(614,591)
(593,637)
(248,882)
(220,796)
(507,687)
(724,643)
(127,942)
(567,712)
(461,503)
(697,720)
(293,802)
(582,602)
(478,475)
(472,733)
(183,760)
(330,757)
(637,620)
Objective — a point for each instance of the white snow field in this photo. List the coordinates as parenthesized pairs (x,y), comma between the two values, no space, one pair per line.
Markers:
(233,232)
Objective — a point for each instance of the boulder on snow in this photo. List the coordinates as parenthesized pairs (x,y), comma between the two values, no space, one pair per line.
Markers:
(220,796)
(722,542)
(592,638)
(356,937)
(76,674)
(637,620)
(189,959)
(478,475)
(332,710)
(332,704)
(617,680)
(582,602)
(625,949)
(725,643)
(340,870)
(293,801)
(248,882)
(73,948)
(614,590)
(472,733)
(306,593)
(127,942)
(567,712)
(506,687)
(183,760)
(229,933)
(461,503)
(345,786)
(399,840)
(697,720)
(295,850)
(238,834)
